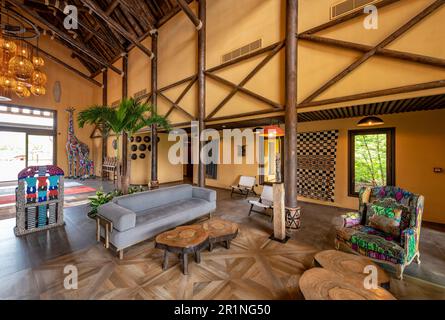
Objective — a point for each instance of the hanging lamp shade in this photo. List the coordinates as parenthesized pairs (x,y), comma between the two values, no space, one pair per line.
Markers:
(22,91)
(38,62)
(38,78)
(21,67)
(9,46)
(273,131)
(8,82)
(38,90)
(370,121)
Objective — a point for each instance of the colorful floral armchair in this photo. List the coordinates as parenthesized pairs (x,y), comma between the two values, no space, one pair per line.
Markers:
(396,241)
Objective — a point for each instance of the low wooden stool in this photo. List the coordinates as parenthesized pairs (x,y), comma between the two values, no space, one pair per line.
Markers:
(324,284)
(349,265)
(182,241)
(220,231)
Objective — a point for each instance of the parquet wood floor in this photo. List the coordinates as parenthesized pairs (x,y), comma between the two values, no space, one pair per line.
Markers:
(254,268)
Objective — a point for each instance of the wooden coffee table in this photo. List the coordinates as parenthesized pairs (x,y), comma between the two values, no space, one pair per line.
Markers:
(183,241)
(220,231)
(349,265)
(324,284)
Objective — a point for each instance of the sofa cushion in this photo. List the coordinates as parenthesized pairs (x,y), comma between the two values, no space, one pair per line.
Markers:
(372,243)
(143,201)
(122,218)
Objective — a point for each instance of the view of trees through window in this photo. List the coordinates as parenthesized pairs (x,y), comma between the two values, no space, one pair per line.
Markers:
(370,160)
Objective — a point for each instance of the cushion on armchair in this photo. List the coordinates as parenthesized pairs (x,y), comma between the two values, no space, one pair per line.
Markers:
(386,215)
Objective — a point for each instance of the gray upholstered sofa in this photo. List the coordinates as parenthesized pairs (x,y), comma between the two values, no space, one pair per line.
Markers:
(141,216)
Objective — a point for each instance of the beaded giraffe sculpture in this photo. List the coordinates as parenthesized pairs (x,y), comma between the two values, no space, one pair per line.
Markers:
(77,151)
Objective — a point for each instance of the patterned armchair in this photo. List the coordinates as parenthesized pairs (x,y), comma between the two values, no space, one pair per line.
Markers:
(396,241)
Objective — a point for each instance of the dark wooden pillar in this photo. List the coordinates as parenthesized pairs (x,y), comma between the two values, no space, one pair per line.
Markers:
(104,103)
(290,141)
(201,85)
(154,101)
(124,96)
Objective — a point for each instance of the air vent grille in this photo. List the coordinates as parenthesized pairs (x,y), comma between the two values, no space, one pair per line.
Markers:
(242,51)
(341,8)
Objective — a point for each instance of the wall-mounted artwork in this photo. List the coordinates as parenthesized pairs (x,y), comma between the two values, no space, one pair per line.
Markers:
(316,156)
(57,91)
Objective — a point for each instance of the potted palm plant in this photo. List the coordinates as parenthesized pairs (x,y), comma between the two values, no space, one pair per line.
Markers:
(125,120)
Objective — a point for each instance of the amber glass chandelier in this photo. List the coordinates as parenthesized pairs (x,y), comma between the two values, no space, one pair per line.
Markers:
(20,64)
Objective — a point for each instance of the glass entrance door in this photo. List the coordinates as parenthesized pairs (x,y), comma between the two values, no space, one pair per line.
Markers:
(40,150)
(12,154)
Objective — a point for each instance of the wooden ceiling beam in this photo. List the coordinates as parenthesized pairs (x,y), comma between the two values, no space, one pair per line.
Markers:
(393,36)
(93,33)
(80,46)
(117,27)
(65,65)
(378,93)
(190,14)
(382,51)
(137,15)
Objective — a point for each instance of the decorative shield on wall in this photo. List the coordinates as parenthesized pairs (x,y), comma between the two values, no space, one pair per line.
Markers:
(142,147)
(132,139)
(134,147)
(147,139)
(149,147)
(57,91)
(134,156)
(114,144)
(138,139)
(142,156)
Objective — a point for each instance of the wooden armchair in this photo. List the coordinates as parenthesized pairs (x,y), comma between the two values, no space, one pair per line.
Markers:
(265,202)
(245,186)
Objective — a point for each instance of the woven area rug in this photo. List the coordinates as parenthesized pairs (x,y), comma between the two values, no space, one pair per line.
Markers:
(10,198)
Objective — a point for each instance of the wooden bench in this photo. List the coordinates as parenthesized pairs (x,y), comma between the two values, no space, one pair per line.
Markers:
(109,168)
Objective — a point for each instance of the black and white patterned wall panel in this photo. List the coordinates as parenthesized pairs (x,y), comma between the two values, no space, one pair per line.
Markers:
(317,154)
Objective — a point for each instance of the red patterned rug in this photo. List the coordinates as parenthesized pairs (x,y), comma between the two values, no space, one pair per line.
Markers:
(10,199)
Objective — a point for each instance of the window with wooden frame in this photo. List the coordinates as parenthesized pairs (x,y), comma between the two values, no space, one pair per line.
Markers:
(371,159)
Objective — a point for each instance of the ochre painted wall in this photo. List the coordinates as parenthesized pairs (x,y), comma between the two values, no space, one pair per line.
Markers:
(76,92)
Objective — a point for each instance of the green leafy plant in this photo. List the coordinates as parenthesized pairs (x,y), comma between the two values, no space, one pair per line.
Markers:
(128,118)
(136,189)
(100,199)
